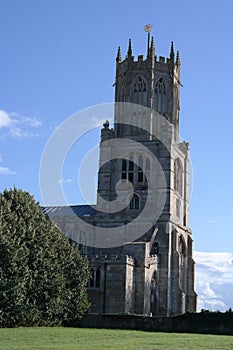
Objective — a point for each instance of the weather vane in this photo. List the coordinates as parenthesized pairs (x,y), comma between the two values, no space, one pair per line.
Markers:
(148,28)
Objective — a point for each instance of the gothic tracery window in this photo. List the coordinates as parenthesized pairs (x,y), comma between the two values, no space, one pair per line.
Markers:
(136,169)
(140,85)
(160,96)
(160,86)
(140,91)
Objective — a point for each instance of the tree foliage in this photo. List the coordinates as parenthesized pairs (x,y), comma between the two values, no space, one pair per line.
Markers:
(43,278)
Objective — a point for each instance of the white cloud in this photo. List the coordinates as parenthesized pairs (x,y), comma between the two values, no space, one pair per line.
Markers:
(30,121)
(5,119)
(208,299)
(18,126)
(20,133)
(64,181)
(95,121)
(6,171)
(213,221)
(214,280)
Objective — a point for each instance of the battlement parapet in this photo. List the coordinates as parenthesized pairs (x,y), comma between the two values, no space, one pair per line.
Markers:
(119,259)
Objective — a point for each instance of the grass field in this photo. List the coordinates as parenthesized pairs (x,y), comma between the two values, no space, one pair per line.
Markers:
(90,339)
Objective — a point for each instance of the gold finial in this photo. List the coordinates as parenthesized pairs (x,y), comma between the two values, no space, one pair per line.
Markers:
(148,28)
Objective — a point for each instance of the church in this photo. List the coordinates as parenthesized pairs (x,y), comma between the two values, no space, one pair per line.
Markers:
(137,237)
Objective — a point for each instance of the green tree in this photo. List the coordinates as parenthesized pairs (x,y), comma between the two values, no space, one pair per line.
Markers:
(43,277)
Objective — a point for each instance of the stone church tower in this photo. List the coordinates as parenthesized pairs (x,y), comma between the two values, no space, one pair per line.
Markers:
(145,265)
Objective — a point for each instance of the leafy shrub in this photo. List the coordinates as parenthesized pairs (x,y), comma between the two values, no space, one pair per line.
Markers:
(43,278)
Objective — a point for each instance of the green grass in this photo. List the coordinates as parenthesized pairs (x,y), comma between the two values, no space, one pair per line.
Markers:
(90,339)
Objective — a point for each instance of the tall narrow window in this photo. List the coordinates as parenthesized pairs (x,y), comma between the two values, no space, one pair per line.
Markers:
(92,278)
(178,207)
(94,281)
(178,176)
(147,170)
(140,85)
(82,244)
(97,278)
(153,296)
(140,169)
(160,96)
(140,91)
(124,169)
(182,253)
(131,169)
(134,203)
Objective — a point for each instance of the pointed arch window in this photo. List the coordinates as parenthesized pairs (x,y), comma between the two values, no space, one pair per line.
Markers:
(160,96)
(182,247)
(135,202)
(154,248)
(140,85)
(182,256)
(160,86)
(139,90)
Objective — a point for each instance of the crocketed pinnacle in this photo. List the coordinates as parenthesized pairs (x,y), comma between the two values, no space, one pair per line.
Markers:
(119,58)
(177,57)
(152,47)
(172,54)
(129,53)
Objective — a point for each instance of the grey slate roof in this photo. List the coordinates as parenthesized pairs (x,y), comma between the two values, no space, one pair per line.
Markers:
(73,210)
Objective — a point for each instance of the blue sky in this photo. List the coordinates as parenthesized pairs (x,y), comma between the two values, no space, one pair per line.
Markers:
(58,57)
